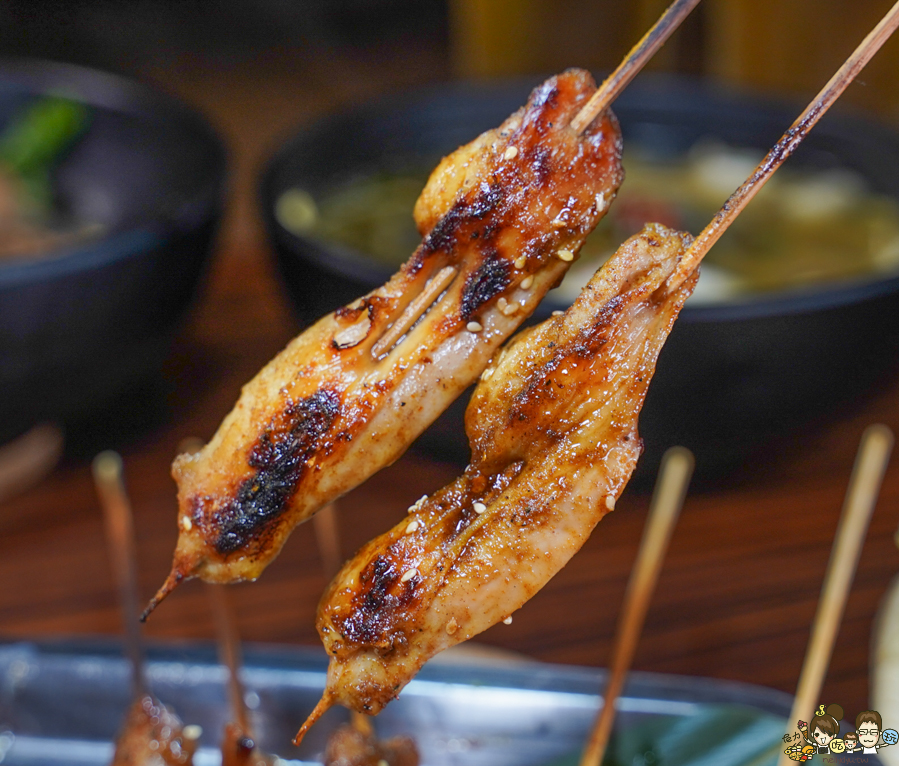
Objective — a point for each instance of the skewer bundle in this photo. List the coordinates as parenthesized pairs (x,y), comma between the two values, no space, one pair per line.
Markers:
(360,317)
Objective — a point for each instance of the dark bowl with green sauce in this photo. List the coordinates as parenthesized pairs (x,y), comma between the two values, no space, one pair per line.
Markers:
(760,367)
(87,322)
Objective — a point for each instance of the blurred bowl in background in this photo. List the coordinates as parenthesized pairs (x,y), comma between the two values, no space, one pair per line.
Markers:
(771,342)
(93,315)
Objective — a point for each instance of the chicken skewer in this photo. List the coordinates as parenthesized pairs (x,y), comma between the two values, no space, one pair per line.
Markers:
(553,432)
(502,218)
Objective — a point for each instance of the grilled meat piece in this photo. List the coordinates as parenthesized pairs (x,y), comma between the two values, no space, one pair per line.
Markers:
(347,746)
(502,217)
(553,432)
(152,736)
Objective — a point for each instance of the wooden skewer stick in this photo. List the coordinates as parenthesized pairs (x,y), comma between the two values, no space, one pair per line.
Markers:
(668,498)
(634,61)
(435,286)
(328,538)
(786,146)
(107,471)
(229,652)
(864,486)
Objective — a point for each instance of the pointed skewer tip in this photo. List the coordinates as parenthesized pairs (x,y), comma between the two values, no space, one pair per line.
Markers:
(171,582)
(324,704)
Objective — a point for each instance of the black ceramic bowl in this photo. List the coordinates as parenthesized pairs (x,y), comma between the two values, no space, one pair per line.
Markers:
(732,376)
(82,324)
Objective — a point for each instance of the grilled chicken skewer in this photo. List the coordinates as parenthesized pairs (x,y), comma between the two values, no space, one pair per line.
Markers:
(553,433)
(502,219)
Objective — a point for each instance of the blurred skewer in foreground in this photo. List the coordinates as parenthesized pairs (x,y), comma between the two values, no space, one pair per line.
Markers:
(885,662)
(239,741)
(667,501)
(151,733)
(861,497)
(355,744)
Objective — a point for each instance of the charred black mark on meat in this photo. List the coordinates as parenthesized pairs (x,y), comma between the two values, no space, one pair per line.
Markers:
(279,457)
(372,620)
(445,232)
(491,278)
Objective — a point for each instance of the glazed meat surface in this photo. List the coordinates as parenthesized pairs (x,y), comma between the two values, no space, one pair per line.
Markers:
(553,432)
(502,218)
(152,736)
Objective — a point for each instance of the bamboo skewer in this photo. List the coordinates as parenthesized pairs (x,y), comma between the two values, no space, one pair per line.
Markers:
(644,50)
(786,146)
(671,489)
(432,290)
(107,471)
(327,537)
(864,486)
(230,654)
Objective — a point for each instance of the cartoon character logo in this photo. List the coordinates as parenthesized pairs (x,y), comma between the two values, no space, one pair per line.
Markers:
(824,730)
(822,735)
(871,734)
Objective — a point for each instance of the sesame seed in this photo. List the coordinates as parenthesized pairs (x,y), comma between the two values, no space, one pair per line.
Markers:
(488,373)
(557,313)
(408,575)
(510,308)
(479,507)
(474,327)
(511,153)
(382,762)
(521,262)
(502,303)
(452,626)
(186,524)
(601,203)
(413,525)
(508,620)
(526,283)
(610,502)
(417,504)
(565,255)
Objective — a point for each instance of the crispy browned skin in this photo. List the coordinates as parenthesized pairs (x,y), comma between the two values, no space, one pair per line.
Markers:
(152,736)
(553,432)
(326,414)
(347,746)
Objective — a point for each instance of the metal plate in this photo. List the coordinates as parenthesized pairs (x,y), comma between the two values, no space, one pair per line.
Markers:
(63,704)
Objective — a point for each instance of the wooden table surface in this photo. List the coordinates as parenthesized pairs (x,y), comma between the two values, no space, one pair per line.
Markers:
(739,586)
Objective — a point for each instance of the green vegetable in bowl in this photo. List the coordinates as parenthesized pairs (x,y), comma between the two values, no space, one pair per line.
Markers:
(33,141)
